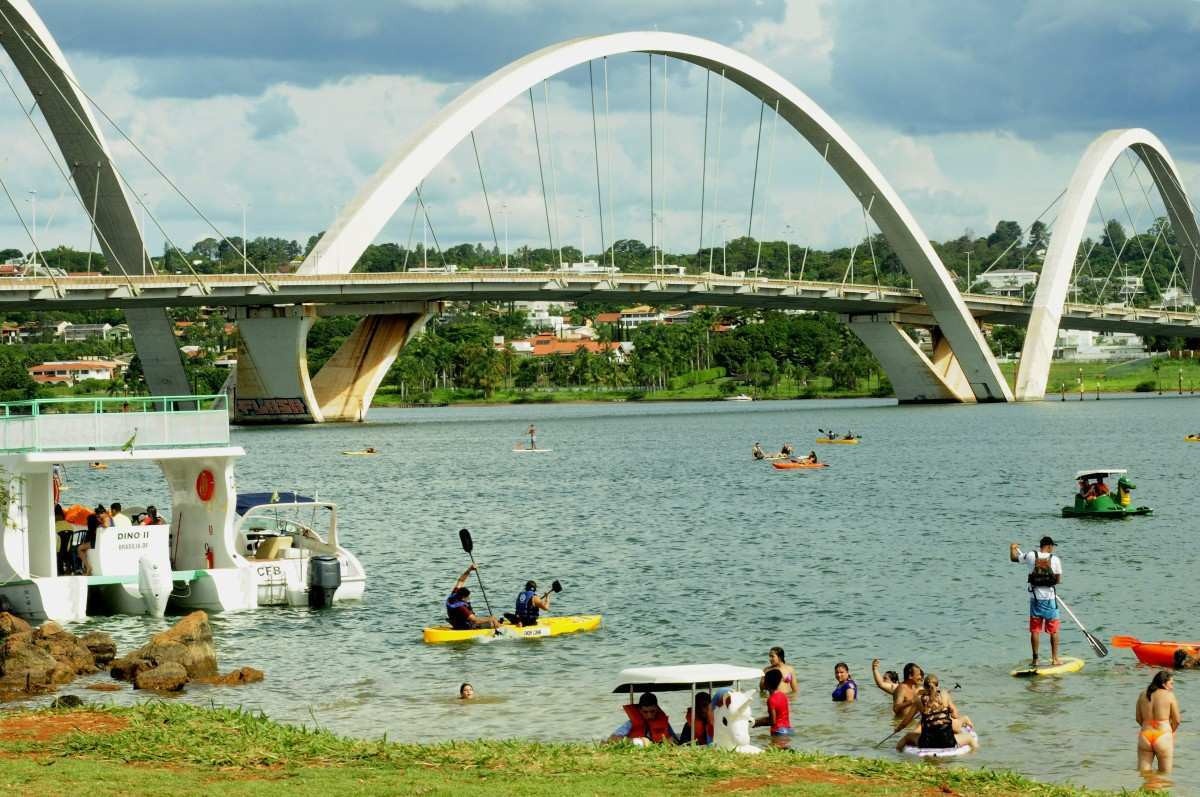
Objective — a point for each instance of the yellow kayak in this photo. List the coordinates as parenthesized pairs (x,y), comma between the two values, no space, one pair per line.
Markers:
(1069,664)
(1193,438)
(841,441)
(546,626)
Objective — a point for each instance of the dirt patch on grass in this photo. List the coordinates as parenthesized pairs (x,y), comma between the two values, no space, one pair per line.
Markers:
(44,727)
(784,778)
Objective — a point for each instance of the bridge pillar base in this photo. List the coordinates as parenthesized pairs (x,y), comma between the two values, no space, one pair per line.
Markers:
(272,384)
(915,378)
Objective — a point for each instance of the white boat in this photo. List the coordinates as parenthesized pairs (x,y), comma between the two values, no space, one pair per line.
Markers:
(218,552)
(739,397)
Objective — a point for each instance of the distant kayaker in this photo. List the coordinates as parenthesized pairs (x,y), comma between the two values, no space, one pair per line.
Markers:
(532,432)
(787,450)
(458,609)
(530,603)
(811,459)
(1157,713)
(757,451)
(647,723)
(1045,574)
(904,693)
(777,660)
(846,690)
(466,692)
(778,710)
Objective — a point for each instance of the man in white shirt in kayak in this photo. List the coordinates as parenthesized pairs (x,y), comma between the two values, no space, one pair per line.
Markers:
(1045,573)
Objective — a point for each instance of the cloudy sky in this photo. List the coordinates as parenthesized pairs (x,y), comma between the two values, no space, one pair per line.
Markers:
(974,111)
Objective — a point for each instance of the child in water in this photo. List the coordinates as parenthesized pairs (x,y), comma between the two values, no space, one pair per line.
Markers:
(466,692)
(778,715)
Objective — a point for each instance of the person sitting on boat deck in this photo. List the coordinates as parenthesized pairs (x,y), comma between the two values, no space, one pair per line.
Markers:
(846,690)
(812,458)
(458,609)
(757,451)
(466,692)
(778,661)
(1157,712)
(64,529)
(778,714)
(849,435)
(942,728)
(1045,574)
(119,518)
(151,518)
(698,722)
(530,603)
(787,450)
(646,722)
(1186,659)
(904,693)
(94,523)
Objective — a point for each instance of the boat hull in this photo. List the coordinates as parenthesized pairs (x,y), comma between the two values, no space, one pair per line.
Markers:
(1107,514)
(798,465)
(547,626)
(1162,654)
(825,441)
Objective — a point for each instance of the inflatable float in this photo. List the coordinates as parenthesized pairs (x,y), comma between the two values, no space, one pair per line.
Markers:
(1069,665)
(546,626)
(789,465)
(942,752)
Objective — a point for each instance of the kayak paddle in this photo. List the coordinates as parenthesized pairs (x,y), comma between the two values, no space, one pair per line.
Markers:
(468,545)
(893,733)
(1096,644)
(555,588)
(1124,641)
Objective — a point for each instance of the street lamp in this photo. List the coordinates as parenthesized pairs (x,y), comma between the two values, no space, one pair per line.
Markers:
(787,247)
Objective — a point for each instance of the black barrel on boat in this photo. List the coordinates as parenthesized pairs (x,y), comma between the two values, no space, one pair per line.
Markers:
(324,578)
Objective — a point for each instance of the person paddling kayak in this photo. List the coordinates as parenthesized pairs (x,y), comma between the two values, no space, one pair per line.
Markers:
(1045,574)
(530,604)
(458,609)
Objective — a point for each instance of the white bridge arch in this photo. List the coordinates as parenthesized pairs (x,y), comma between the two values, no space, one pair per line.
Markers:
(1069,229)
(965,369)
(67,111)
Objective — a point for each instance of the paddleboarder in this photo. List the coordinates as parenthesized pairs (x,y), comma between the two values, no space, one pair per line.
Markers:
(532,432)
(1045,574)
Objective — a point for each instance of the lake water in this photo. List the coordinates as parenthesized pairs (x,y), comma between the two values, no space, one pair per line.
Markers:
(655,516)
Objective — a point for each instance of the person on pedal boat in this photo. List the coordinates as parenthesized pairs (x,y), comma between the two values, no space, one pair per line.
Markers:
(1045,574)
(647,723)
(529,604)
(458,609)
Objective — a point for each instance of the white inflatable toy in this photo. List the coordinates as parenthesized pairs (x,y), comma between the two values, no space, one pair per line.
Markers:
(732,720)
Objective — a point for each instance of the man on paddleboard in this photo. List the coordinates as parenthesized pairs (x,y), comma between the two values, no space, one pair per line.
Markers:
(1045,573)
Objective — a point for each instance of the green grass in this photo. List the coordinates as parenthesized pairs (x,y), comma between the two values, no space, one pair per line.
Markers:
(178,749)
(1116,377)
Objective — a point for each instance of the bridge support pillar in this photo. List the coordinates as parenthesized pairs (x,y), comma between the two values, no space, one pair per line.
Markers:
(915,377)
(272,384)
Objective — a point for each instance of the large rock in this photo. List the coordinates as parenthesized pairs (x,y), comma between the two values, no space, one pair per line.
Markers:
(127,668)
(29,668)
(103,649)
(35,661)
(238,677)
(189,642)
(11,624)
(65,647)
(167,677)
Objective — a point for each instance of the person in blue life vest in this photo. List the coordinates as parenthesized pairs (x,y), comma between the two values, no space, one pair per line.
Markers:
(458,608)
(530,604)
(1045,574)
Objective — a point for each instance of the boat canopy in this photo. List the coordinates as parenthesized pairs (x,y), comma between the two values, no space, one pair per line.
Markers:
(247,501)
(683,677)
(1101,472)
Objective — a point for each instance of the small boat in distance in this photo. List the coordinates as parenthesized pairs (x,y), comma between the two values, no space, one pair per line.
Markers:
(1095,500)
(739,397)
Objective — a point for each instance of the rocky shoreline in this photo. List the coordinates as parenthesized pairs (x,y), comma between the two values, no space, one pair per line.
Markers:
(37,661)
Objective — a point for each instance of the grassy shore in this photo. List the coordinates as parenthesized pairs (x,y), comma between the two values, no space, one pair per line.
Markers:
(170,748)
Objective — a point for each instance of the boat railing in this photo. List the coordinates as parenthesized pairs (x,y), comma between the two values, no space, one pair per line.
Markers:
(120,422)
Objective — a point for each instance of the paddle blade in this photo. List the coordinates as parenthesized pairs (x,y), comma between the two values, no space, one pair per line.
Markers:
(1096,644)
(464,537)
(556,587)
(1124,641)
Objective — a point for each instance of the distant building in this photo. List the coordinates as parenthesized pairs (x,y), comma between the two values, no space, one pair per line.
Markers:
(73,333)
(634,317)
(590,267)
(1175,298)
(71,372)
(1008,281)
(551,346)
(1079,345)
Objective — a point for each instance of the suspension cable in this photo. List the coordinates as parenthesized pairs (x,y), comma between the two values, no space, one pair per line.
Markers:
(37,252)
(433,232)
(486,202)
(650,83)
(553,170)
(767,187)
(121,177)
(704,160)
(541,172)
(412,226)
(608,156)
(762,108)
(92,216)
(848,274)
(712,242)
(596,153)
(662,219)
(871,243)
(1015,241)
(820,188)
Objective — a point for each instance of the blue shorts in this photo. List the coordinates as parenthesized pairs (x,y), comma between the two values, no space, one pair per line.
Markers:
(782,732)
(1047,609)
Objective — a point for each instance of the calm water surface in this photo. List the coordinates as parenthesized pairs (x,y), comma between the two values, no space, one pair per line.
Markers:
(656,517)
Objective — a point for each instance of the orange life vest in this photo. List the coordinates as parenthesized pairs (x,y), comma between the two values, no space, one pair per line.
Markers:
(656,730)
(701,730)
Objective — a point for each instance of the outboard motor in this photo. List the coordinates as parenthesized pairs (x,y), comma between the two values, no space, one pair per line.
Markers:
(324,578)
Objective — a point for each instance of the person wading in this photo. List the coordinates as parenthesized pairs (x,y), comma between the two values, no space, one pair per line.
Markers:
(1045,574)
(904,694)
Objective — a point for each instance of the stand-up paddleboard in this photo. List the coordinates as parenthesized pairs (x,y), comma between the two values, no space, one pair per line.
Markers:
(1069,664)
(942,752)
(519,450)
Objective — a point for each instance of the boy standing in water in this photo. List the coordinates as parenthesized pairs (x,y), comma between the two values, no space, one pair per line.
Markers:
(778,714)
(1045,573)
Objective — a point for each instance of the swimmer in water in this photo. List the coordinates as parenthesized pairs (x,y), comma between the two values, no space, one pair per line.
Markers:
(466,692)
(789,686)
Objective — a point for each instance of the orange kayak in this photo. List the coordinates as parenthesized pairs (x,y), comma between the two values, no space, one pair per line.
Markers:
(1162,654)
(795,465)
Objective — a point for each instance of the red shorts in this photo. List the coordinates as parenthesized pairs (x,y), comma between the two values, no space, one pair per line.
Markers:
(1037,624)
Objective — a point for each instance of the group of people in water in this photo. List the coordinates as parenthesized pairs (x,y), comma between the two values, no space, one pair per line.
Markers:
(78,532)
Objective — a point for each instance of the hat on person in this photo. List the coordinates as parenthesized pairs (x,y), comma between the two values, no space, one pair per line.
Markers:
(1046,541)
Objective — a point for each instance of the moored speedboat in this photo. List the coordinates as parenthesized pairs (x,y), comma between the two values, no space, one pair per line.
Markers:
(196,560)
